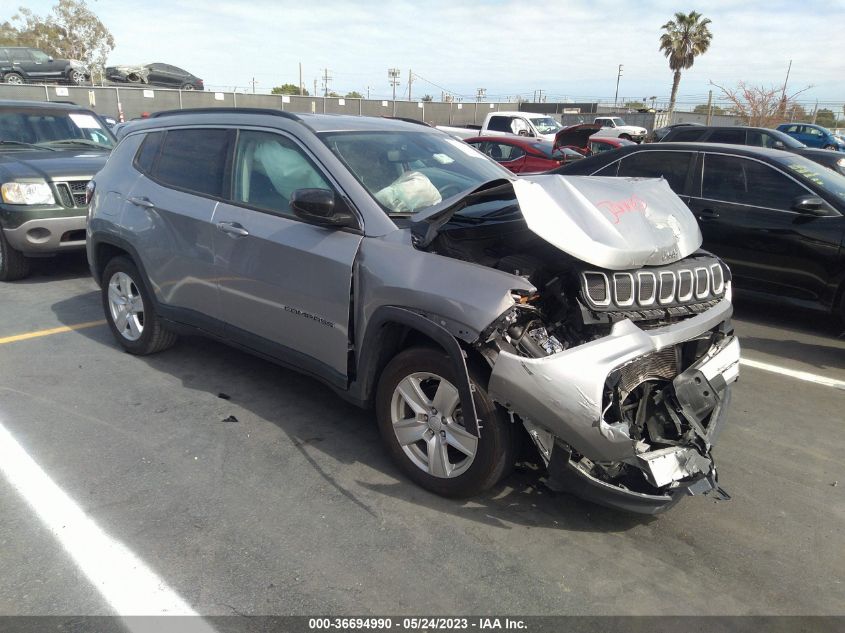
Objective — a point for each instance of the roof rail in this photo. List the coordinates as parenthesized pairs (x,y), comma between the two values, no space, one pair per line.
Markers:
(281,113)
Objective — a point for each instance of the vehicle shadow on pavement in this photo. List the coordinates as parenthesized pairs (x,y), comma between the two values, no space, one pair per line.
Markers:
(825,351)
(316,420)
(58,268)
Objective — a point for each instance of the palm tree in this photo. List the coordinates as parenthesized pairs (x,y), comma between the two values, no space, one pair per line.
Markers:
(686,37)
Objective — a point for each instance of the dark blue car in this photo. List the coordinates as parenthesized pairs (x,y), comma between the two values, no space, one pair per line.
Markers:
(813,135)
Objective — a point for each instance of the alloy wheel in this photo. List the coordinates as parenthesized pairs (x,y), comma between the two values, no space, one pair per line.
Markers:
(126,306)
(425,412)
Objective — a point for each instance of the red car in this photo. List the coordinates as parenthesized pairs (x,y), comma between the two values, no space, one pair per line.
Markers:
(524,155)
(581,139)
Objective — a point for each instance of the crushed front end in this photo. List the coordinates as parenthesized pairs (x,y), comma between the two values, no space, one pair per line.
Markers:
(623,391)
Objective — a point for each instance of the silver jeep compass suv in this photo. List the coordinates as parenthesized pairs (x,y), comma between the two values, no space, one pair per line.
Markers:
(414,275)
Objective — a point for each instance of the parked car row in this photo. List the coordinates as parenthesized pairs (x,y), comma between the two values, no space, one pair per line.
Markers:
(775,216)
(475,310)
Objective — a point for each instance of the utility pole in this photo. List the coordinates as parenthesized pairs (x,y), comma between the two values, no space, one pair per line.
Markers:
(616,96)
(709,107)
(301,85)
(253,82)
(393,76)
(410,81)
(315,87)
(326,79)
(480,94)
(815,111)
(783,92)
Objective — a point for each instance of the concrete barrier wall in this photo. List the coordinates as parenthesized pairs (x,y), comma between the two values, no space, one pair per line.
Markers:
(132,102)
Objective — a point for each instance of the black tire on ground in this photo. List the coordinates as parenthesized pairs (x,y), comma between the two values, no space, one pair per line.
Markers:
(626,137)
(494,457)
(13,78)
(13,264)
(77,78)
(829,147)
(187,86)
(154,337)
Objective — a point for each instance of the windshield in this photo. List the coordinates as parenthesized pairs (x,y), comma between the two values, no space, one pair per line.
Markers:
(409,171)
(818,174)
(53,128)
(546,125)
(618,121)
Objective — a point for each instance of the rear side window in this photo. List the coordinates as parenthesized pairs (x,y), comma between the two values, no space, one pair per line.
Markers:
(685,135)
(673,166)
(194,160)
(148,152)
(735,137)
(500,124)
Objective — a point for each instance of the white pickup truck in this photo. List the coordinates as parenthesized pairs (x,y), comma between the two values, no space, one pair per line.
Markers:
(512,123)
(616,126)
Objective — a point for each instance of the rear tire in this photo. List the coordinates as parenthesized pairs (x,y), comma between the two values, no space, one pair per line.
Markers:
(13,78)
(13,264)
(830,147)
(187,86)
(430,453)
(130,310)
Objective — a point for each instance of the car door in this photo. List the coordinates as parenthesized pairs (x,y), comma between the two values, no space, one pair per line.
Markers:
(170,214)
(24,62)
(46,67)
(285,284)
(745,212)
(161,75)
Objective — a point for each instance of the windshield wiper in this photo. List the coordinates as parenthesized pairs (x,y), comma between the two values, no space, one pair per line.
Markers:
(77,141)
(22,144)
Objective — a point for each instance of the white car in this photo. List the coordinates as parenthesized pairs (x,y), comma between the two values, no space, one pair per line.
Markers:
(616,126)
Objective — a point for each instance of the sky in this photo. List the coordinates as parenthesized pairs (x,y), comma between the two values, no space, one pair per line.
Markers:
(567,48)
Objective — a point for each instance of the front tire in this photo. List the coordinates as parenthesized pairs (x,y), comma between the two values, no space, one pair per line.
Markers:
(829,147)
(420,419)
(77,78)
(130,311)
(626,137)
(14,265)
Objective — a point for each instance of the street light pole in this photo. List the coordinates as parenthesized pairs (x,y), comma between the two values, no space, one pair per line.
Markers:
(616,96)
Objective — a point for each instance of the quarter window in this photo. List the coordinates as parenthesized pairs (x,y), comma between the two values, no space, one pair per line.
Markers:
(500,124)
(268,168)
(673,166)
(194,160)
(148,152)
(744,181)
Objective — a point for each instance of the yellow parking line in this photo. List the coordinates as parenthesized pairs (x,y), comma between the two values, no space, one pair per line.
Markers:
(55,330)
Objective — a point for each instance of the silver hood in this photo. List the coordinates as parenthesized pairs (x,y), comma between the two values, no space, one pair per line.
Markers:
(612,223)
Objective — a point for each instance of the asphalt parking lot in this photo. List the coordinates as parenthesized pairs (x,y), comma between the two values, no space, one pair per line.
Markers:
(295,509)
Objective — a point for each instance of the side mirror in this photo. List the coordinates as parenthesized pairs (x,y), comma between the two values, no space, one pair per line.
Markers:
(317,206)
(778,145)
(811,205)
(50,59)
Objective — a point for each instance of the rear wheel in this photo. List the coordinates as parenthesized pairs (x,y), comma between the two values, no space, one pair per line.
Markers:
(130,311)
(78,78)
(13,264)
(187,86)
(420,418)
(13,78)
(830,147)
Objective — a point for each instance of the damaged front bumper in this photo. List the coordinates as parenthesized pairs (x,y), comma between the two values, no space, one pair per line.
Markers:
(561,399)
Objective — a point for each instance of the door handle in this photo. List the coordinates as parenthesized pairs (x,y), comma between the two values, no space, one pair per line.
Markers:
(142,202)
(232,228)
(707,214)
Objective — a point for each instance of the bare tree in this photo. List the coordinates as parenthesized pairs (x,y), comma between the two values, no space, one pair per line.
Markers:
(760,106)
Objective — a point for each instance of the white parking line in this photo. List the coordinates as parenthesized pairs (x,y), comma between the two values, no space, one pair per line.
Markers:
(123,580)
(794,373)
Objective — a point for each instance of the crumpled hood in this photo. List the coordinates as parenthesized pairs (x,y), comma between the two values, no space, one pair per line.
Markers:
(612,223)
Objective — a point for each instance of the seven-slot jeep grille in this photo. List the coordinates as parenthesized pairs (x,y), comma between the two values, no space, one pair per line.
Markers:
(71,193)
(686,283)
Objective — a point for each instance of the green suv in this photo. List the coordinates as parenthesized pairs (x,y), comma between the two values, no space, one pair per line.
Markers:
(48,154)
